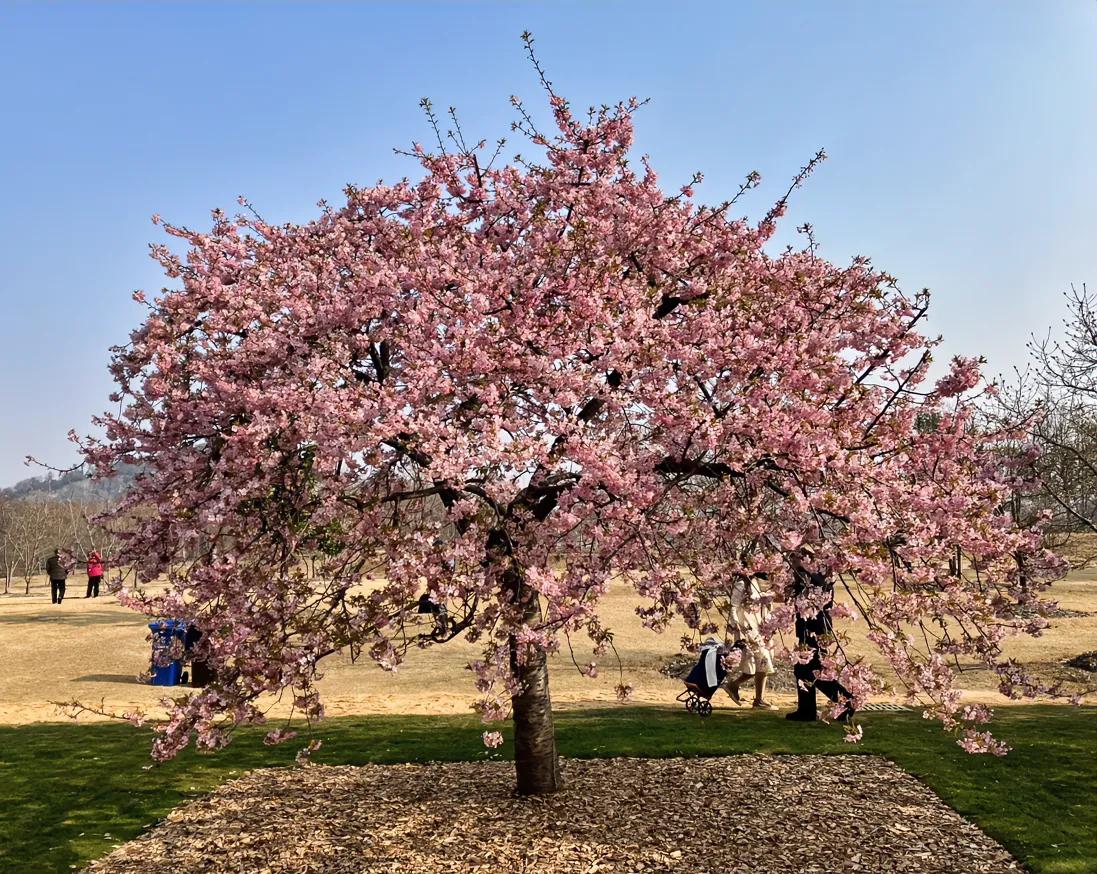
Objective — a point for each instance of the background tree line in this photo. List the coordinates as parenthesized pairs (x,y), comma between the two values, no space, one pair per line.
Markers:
(31,528)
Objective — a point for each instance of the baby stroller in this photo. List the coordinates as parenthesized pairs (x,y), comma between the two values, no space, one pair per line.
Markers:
(704,678)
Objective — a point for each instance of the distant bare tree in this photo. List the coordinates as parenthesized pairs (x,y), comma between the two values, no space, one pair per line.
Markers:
(34,535)
(77,527)
(1056,399)
(9,561)
(1069,365)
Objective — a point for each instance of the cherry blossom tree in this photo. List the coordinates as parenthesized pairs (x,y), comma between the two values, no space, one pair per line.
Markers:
(504,387)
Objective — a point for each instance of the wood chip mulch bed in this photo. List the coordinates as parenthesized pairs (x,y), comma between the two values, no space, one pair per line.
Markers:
(736,814)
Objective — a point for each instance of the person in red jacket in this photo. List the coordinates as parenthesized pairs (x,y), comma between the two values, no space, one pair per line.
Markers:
(95,574)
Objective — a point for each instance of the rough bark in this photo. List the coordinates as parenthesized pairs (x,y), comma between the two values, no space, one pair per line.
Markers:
(535,759)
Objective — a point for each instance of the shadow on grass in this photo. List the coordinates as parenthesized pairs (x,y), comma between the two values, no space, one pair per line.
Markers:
(59,616)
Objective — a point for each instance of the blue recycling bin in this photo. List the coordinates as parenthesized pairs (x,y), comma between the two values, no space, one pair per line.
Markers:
(164,631)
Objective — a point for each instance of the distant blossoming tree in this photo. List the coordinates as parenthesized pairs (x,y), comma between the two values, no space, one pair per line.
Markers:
(504,387)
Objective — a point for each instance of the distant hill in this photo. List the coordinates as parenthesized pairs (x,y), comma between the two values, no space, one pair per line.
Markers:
(75,485)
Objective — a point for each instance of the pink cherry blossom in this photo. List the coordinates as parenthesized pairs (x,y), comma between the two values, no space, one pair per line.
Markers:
(509,387)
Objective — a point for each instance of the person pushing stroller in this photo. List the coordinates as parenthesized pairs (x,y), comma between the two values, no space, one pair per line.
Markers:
(747,608)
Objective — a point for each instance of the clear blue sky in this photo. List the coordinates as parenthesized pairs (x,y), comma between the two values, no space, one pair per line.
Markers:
(962,136)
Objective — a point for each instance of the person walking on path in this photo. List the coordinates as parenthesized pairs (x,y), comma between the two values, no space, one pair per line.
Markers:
(95,574)
(757,662)
(58,573)
(808,631)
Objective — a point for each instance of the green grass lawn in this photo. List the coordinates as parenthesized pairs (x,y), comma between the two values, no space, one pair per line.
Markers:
(69,792)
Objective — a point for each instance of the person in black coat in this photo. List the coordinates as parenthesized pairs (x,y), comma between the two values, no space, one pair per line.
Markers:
(58,573)
(201,674)
(808,632)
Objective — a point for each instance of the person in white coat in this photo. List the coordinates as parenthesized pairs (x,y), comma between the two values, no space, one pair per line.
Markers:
(746,612)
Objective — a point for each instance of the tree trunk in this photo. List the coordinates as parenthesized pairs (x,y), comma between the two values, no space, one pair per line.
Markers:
(535,759)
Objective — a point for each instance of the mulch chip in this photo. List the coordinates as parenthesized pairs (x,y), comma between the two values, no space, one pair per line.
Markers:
(736,814)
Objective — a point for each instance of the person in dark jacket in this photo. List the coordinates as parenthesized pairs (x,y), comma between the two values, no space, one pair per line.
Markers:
(58,573)
(808,632)
(201,674)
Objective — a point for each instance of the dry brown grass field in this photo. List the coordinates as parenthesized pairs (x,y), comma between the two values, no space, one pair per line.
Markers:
(93,651)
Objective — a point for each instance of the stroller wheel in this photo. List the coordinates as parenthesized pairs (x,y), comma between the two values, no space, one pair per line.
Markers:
(704,708)
(691,703)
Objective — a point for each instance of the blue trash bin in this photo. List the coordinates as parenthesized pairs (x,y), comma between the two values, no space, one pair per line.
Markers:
(164,631)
